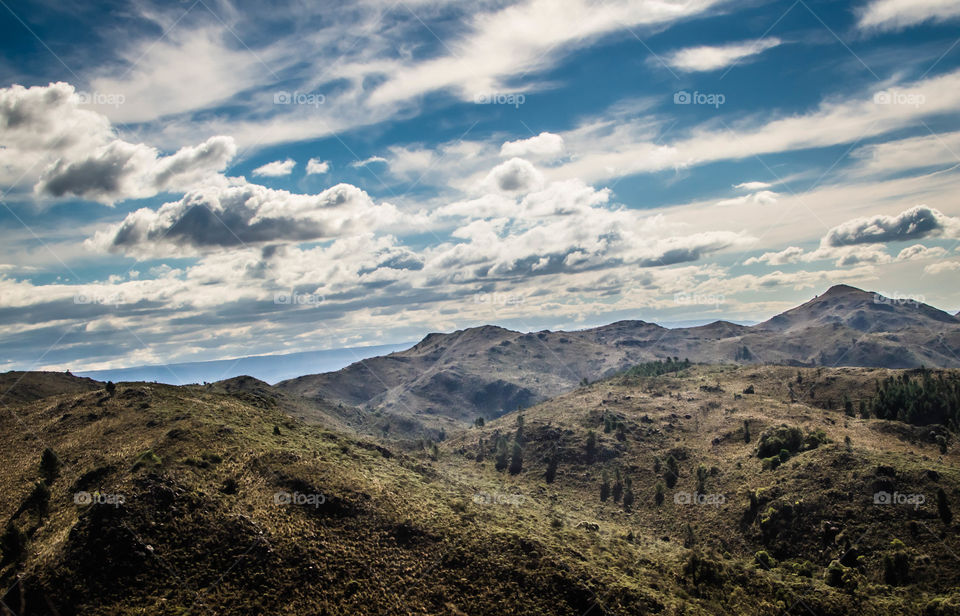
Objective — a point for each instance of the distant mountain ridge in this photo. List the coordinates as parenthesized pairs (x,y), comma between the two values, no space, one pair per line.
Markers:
(449,379)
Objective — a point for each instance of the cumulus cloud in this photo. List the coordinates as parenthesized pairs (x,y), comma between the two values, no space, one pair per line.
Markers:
(913,224)
(49,141)
(711,58)
(315,166)
(919,251)
(235,213)
(276,169)
(515,176)
(899,14)
(791,254)
(942,267)
(543,146)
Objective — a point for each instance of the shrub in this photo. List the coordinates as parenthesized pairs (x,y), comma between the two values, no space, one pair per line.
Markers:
(591,445)
(835,575)
(628,496)
(49,465)
(551,473)
(943,507)
(775,439)
(39,499)
(605,487)
(896,564)
(516,461)
(746,431)
(672,472)
(764,559)
(13,544)
(659,493)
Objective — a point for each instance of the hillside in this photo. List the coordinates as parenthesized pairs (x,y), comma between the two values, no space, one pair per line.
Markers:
(384,529)
(447,380)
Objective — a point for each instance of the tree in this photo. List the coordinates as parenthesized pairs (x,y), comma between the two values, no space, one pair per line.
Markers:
(276,430)
(435,452)
(591,445)
(551,473)
(49,465)
(617,486)
(516,461)
(659,492)
(478,422)
(621,431)
(605,487)
(628,496)
(746,431)
(111,387)
(701,479)
(672,472)
(501,461)
(943,507)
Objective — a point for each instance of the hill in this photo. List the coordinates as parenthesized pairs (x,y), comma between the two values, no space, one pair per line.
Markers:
(447,380)
(171,500)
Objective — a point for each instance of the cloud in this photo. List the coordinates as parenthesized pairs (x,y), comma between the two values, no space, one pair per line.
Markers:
(315,166)
(707,58)
(926,151)
(752,186)
(941,267)
(791,254)
(543,146)
(368,161)
(515,175)
(763,197)
(520,39)
(913,224)
(919,251)
(236,214)
(49,141)
(276,169)
(899,14)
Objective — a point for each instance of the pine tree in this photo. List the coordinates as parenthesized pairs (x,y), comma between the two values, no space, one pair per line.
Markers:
(591,445)
(605,487)
(551,473)
(501,461)
(659,492)
(943,507)
(516,461)
(628,496)
(746,431)
(49,465)
(617,487)
(672,472)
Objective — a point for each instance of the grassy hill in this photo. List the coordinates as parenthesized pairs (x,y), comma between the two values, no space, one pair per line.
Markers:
(376,528)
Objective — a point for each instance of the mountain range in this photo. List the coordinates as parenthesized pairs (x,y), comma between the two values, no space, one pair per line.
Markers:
(449,379)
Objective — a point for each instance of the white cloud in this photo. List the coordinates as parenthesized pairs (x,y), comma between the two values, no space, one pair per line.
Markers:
(315,166)
(791,254)
(919,251)
(941,267)
(514,176)
(899,14)
(916,223)
(707,58)
(50,142)
(276,169)
(543,146)
(368,161)
(937,150)
(752,186)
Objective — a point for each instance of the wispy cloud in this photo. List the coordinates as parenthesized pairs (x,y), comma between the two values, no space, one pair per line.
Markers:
(712,58)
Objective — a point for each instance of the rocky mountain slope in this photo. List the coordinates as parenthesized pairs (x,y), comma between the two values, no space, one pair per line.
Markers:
(448,380)
(165,500)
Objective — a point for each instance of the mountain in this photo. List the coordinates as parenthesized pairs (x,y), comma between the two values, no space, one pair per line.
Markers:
(204,499)
(269,368)
(447,380)
(17,387)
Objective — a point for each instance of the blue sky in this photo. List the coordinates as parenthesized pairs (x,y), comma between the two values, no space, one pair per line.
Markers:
(205,179)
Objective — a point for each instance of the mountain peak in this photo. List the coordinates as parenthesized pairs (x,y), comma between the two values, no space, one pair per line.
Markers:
(844,289)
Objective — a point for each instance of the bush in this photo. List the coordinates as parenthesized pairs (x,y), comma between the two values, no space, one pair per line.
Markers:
(13,544)
(943,507)
(775,439)
(551,473)
(516,461)
(659,493)
(50,465)
(764,559)
(896,564)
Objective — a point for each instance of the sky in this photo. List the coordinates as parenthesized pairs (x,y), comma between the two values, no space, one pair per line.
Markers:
(203,179)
